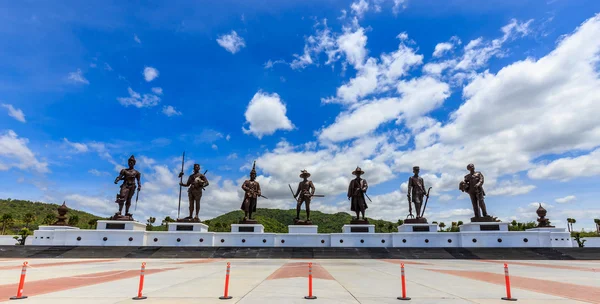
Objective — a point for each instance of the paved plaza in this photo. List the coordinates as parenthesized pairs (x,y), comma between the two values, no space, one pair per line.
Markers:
(285,281)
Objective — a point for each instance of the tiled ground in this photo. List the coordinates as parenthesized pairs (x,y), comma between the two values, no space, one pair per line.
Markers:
(285,281)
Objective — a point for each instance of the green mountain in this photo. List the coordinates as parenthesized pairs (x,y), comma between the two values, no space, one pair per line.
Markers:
(16,214)
(33,214)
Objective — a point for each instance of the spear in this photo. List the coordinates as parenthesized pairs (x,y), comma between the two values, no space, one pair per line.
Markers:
(180,182)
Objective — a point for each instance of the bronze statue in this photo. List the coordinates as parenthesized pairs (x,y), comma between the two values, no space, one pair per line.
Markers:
(196,183)
(473,185)
(304,194)
(129,177)
(357,190)
(252,191)
(416,192)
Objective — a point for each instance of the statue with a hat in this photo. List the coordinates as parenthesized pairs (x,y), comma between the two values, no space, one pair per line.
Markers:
(251,194)
(129,176)
(416,192)
(357,191)
(304,194)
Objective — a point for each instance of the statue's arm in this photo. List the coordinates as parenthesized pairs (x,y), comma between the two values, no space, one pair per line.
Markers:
(187,183)
(410,185)
(138,177)
(258,189)
(365,185)
(205,180)
(480,183)
(312,188)
(298,189)
(121,175)
(245,186)
(350,190)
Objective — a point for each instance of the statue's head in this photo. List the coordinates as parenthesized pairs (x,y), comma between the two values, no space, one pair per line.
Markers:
(470,167)
(131,161)
(416,169)
(196,168)
(253,172)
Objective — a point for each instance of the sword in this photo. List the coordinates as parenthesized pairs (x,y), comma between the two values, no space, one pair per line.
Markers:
(427,199)
(136,198)
(263,196)
(317,195)
(292,192)
(180,181)
(204,174)
(365,193)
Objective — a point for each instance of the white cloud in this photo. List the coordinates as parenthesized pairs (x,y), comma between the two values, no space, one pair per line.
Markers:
(14,153)
(96,172)
(359,8)
(77,77)
(231,42)
(270,63)
(157,91)
(445,198)
(419,96)
(79,147)
(228,137)
(107,67)
(214,147)
(150,73)
(353,45)
(137,39)
(510,188)
(266,114)
(399,5)
(137,100)
(567,168)
(15,113)
(441,48)
(170,111)
(566,199)
(232,156)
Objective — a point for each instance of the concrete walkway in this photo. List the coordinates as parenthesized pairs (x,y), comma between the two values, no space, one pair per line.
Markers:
(285,281)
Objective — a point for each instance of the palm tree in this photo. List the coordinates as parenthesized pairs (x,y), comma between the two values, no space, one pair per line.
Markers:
(73,220)
(149,223)
(7,220)
(460,223)
(28,218)
(49,219)
(442,225)
(597,222)
(167,219)
(400,222)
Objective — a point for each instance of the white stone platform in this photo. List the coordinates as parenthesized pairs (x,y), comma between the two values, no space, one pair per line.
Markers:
(253,235)
(247,228)
(303,229)
(120,225)
(181,226)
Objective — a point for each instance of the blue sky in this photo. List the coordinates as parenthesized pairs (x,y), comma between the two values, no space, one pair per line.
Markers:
(318,85)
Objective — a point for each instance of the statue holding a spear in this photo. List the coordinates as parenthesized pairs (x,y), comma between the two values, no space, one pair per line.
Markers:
(196,183)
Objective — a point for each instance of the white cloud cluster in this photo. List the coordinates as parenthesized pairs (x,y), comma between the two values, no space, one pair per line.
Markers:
(77,147)
(77,77)
(232,42)
(566,199)
(14,112)
(14,153)
(139,101)
(170,111)
(150,73)
(266,113)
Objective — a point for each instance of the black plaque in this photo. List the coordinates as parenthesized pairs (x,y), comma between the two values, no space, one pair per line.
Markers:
(184,228)
(489,227)
(420,228)
(246,229)
(115,226)
(359,229)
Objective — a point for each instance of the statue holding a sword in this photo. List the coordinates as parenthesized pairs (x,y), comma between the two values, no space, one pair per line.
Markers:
(304,194)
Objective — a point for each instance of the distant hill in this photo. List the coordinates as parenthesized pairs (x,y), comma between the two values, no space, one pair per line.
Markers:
(277,220)
(274,220)
(43,214)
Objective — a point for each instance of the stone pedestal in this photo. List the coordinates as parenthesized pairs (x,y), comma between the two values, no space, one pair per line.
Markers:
(358,228)
(303,229)
(484,226)
(247,228)
(183,226)
(120,225)
(420,220)
(417,228)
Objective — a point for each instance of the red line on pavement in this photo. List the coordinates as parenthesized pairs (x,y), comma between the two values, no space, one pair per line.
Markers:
(553,266)
(393,261)
(566,290)
(300,270)
(39,287)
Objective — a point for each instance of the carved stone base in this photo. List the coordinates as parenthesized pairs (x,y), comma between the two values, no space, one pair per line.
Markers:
(119,217)
(484,219)
(359,222)
(302,222)
(188,220)
(419,220)
(248,221)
